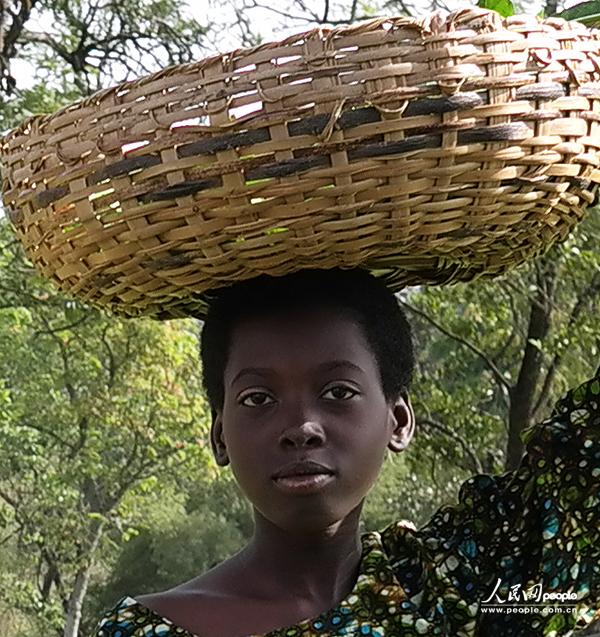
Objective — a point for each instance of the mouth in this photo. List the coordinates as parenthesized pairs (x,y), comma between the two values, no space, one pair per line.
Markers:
(303,477)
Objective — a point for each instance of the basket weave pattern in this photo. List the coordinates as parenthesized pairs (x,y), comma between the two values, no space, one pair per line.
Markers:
(427,150)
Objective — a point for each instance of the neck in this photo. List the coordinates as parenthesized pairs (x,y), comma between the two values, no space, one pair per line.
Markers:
(320,566)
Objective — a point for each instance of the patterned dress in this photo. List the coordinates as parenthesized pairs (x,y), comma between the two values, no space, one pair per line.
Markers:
(518,556)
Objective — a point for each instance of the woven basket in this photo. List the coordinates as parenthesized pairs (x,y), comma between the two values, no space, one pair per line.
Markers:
(427,150)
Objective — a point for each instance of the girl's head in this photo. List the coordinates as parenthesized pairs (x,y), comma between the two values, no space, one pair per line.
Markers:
(313,367)
(356,293)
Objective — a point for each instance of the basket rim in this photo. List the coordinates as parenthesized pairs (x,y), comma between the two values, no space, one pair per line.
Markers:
(430,23)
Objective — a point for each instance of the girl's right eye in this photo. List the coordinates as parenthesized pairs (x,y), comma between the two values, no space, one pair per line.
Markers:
(256,399)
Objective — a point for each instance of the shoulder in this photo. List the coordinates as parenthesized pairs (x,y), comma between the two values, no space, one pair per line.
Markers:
(191,610)
(153,614)
(129,618)
(202,605)
(181,604)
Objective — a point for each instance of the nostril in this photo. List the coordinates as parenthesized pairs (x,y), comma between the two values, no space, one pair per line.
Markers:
(313,441)
(308,435)
(286,442)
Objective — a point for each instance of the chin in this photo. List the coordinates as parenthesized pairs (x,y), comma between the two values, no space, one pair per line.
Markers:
(310,518)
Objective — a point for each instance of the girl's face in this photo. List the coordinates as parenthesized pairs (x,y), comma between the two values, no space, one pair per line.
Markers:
(305,388)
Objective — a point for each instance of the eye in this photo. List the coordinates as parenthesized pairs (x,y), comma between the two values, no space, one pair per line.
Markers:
(341,392)
(256,399)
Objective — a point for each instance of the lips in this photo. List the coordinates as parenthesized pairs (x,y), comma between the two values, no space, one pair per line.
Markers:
(305,468)
(306,478)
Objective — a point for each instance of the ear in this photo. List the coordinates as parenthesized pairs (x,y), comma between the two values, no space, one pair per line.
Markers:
(217,440)
(403,422)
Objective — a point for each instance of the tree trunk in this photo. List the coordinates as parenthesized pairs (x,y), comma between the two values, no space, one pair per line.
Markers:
(80,586)
(75,604)
(522,395)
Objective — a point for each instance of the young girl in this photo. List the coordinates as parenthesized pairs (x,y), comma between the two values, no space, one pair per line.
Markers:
(307,377)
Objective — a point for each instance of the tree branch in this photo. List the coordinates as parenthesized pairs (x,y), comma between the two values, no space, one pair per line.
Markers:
(14,504)
(83,429)
(523,392)
(8,537)
(9,38)
(62,328)
(504,384)
(37,37)
(589,294)
(438,426)
(65,358)
(45,432)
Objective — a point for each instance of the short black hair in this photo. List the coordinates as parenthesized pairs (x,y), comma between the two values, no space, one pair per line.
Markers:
(365,297)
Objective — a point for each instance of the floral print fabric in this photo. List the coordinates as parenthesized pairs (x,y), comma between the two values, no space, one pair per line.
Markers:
(518,556)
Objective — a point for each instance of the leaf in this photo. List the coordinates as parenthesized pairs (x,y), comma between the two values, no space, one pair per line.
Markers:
(536,343)
(504,7)
(72,313)
(585,12)
(275,230)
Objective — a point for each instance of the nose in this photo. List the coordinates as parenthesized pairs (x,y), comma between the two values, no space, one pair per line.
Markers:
(308,434)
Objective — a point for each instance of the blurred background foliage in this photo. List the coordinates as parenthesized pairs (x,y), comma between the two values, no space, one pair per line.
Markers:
(107,484)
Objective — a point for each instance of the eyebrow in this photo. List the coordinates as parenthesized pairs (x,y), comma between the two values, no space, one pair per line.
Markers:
(326,367)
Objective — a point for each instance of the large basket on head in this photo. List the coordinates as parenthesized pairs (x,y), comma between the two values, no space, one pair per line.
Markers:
(425,150)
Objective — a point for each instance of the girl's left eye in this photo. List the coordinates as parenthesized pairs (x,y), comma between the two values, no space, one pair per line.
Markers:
(341,392)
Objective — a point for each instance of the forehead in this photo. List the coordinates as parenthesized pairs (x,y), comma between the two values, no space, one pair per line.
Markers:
(299,338)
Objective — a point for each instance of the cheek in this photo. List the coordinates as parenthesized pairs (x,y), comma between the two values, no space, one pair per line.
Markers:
(246,470)
(374,455)
(366,450)
(245,449)
(373,425)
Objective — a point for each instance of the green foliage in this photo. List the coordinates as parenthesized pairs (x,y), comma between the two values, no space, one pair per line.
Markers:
(96,409)
(504,7)
(93,44)
(471,340)
(86,45)
(220,493)
(180,556)
(31,101)
(173,545)
(586,12)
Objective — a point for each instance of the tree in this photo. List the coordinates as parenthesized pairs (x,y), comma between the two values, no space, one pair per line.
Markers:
(92,42)
(70,471)
(184,534)
(516,343)
(99,409)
